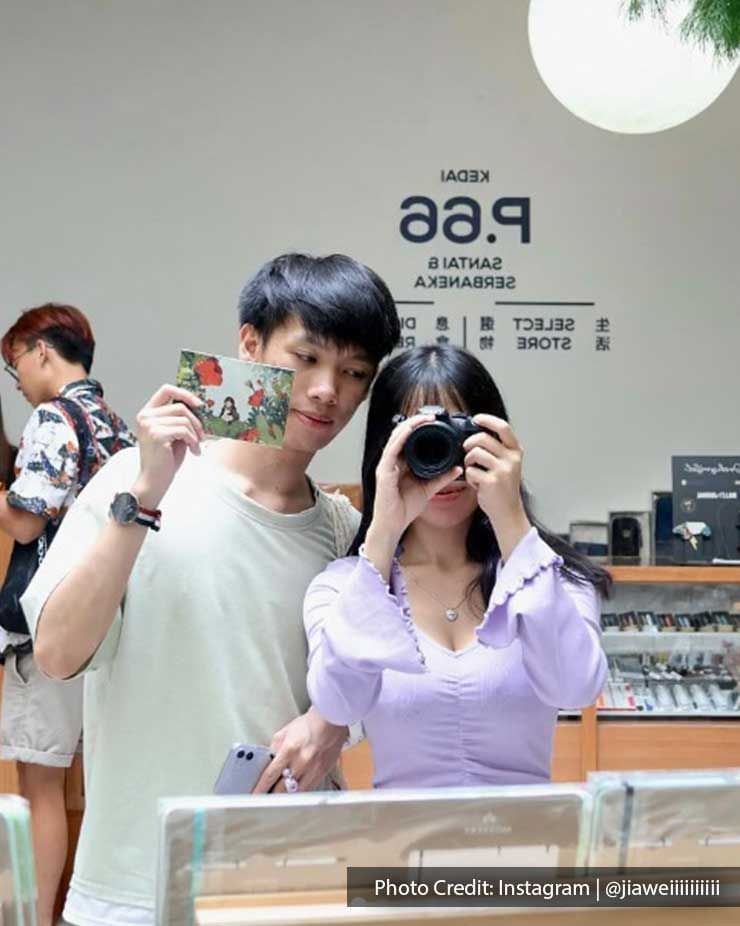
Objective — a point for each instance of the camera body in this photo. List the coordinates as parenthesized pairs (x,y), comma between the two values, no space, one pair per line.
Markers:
(434,448)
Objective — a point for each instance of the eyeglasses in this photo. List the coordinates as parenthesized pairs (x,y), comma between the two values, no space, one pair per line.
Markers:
(10,368)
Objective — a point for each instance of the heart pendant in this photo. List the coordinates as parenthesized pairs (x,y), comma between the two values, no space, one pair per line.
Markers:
(451,614)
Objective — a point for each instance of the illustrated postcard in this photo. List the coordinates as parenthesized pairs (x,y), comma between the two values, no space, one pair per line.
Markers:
(242,400)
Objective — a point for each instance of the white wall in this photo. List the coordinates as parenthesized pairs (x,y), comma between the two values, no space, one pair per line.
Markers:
(154,154)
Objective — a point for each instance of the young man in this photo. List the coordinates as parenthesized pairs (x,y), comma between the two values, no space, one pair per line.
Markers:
(49,352)
(192,636)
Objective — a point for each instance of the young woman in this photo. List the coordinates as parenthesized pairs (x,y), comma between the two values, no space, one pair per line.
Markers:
(460,626)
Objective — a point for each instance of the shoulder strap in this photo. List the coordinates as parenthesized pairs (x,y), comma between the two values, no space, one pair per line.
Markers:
(342,520)
(89,454)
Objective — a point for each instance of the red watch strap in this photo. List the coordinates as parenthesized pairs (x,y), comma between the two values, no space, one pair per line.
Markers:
(151,512)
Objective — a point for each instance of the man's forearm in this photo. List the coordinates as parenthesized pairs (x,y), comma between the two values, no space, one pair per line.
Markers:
(23,526)
(79,612)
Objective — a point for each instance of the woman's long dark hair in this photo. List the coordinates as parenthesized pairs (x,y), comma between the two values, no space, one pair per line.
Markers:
(438,375)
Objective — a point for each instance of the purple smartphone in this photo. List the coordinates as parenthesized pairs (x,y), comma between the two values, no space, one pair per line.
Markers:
(243,766)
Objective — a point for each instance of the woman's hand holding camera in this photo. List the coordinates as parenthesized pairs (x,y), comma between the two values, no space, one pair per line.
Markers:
(167,427)
(400,497)
(493,467)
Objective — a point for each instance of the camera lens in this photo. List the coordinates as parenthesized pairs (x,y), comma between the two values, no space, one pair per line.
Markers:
(240,754)
(432,449)
(250,755)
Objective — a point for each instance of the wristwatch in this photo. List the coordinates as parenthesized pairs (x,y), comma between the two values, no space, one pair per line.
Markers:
(125,509)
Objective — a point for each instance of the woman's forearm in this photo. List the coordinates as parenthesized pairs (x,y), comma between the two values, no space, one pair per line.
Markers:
(561,647)
(380,548)
(555,620)
(356,629)
(23,526)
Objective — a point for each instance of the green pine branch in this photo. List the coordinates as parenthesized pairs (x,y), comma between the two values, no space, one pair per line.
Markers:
(713,23)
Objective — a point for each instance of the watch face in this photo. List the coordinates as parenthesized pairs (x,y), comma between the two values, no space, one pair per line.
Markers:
(125,507)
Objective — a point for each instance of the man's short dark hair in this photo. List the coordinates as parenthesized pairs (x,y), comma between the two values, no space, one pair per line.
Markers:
(336,298)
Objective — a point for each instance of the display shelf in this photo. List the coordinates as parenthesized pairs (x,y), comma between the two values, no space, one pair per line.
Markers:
(227,862)
(629,642)
(626,743)
(236,911)
(675,574)
(699,636)
(672,638)
(647,716)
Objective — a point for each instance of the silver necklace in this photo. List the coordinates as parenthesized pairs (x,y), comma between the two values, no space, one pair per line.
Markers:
(451,614)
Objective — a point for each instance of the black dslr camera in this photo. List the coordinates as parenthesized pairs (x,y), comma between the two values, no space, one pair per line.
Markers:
(434,448)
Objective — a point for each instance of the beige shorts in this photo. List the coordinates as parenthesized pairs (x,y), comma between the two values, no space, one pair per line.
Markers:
(40,719)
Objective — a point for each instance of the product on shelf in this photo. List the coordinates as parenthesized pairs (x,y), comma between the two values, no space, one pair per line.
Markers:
(662,682)
(649,622)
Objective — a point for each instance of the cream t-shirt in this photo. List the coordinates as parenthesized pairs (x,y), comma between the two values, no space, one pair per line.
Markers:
(207,649)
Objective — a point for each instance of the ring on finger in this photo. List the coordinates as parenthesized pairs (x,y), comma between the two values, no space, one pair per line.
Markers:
(291,782)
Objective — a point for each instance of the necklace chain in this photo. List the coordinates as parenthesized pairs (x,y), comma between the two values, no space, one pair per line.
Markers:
(451,614)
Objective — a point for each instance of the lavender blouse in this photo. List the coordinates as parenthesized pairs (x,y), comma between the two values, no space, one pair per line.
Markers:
(483,715)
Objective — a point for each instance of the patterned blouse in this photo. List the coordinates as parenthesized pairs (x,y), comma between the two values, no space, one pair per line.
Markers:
(47,466)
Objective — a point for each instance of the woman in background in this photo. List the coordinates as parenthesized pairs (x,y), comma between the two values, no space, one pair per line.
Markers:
(460,625)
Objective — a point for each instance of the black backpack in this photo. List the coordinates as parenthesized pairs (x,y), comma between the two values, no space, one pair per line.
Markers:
(27,557)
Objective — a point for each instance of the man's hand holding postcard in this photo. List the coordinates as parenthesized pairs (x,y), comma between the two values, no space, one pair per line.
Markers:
(242,400)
